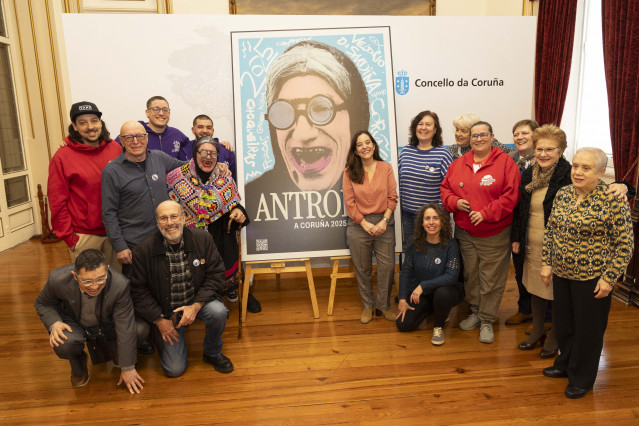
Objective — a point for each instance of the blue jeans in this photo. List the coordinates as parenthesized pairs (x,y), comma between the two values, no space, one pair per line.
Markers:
(174,358)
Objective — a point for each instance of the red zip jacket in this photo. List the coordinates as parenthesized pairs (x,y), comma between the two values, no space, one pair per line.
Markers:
(493,191)
(74,188)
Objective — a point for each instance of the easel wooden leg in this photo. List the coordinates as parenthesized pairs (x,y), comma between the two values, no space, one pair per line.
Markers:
(311,288)
(245,290)
(331,297)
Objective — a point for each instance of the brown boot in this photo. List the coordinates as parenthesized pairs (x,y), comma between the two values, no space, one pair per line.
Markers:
(367,316)
(82,379)
(389,315)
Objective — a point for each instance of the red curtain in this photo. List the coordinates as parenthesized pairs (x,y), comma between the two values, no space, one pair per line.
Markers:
(555,35)
(621,60)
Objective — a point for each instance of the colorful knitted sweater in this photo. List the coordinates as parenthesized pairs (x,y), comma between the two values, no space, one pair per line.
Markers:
(203,203)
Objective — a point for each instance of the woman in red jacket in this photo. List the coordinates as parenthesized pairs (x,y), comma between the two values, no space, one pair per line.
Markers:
(481,190)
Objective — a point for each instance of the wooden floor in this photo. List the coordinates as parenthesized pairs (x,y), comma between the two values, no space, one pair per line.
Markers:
(292,369)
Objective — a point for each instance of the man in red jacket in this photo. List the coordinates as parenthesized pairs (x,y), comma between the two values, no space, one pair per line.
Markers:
(74,183)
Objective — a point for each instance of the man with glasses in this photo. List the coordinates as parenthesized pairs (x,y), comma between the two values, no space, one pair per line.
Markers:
(88,302)
(161,136)
(74,182)
(133,185)
(203,126)
(191,289)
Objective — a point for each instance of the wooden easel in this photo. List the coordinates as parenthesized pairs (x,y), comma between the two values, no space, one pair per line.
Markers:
(278,267)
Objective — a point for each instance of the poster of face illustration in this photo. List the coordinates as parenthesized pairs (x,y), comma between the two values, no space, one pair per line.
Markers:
(298,98)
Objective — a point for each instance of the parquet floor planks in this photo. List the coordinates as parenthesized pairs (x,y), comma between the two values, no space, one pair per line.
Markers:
(292,369)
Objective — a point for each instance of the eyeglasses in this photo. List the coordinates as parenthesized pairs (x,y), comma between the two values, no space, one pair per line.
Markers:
(88,283)
(320,110)
(129,138)
(545,150)
(205,153)
(158,110)
(480,135)
(165,219)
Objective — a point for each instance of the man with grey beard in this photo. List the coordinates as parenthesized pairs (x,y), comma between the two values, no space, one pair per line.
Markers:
(177,277)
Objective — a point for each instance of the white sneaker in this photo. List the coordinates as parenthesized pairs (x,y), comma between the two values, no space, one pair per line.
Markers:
(232,296)
(438,336)
(486,334)
(470,323)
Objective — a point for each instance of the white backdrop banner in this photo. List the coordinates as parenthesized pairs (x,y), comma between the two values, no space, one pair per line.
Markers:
(449,65)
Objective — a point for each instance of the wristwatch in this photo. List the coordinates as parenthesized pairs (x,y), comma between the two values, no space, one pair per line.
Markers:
(385,219)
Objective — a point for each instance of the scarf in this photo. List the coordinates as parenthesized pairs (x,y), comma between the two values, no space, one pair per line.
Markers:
(540,178)
(203,203)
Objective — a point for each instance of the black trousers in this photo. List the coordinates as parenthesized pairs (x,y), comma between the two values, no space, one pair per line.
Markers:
(581,322)
(440,301)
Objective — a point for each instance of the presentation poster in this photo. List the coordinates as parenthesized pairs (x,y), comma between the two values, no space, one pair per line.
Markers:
(299,96)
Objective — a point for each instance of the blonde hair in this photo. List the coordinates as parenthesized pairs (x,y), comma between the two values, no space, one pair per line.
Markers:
(550,131)
(466,121)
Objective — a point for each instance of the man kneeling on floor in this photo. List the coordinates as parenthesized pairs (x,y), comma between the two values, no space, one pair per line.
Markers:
(177,277)
(90,303)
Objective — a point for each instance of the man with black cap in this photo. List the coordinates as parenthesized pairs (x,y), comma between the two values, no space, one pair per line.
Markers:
(74,182)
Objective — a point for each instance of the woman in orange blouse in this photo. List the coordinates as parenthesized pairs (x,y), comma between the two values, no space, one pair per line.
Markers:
(370,196)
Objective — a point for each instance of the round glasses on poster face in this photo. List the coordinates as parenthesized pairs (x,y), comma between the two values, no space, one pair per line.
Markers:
(205,153)
(129,138)
(320,110)
(98,281)
(479,135)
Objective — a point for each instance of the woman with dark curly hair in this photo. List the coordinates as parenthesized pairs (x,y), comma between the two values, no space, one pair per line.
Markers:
(429,281)
(422,167)
(370,197)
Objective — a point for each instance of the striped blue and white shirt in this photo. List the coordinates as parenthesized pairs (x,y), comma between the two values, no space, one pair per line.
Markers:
(420,175)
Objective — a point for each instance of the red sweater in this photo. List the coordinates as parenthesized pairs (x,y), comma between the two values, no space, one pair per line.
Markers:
(493,191)
(74,188)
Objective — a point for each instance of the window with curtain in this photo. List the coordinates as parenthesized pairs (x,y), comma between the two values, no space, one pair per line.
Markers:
(593,124)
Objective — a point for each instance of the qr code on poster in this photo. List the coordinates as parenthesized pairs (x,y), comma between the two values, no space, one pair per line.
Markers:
(261,245)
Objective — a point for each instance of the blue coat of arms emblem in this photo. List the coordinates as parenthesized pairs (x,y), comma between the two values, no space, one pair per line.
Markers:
(402,83)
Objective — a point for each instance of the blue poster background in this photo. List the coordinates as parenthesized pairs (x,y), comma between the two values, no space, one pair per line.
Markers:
(365,49)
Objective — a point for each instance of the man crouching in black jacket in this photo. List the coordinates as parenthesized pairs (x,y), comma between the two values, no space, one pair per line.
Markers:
(177,277)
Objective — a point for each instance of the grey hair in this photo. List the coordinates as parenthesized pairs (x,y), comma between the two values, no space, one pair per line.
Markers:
(304,60)
(465,121)
(601,159)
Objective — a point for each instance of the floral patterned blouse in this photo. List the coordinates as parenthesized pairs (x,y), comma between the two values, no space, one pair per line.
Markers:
(590,239)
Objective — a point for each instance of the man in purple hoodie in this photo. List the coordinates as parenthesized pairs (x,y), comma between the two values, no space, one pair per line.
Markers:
(203,126)
(162,136)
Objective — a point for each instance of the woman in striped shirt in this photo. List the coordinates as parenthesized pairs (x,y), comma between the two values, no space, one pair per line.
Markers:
(422,166)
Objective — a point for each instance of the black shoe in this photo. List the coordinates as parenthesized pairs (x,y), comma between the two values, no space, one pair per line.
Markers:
(219,362)
(573,392)
(146,348)
(555,373)
(252,305)
(544,354)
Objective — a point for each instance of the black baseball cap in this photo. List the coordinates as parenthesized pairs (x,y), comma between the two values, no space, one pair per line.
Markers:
(84,107)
